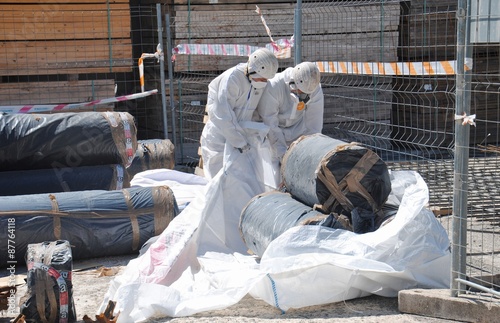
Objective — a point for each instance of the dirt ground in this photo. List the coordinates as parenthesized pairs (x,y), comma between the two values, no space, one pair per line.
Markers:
(90,283)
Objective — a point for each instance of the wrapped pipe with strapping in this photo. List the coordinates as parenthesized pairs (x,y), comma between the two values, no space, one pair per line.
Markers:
(64,179)
(270,214)
(42,141)
(335,176)
(96,223)
(152,154)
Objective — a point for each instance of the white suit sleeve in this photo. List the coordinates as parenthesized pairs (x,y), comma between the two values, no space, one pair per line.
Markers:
(222,112)
(268,110)
(314,114)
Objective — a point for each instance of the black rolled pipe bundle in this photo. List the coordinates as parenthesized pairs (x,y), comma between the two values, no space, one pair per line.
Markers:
(335,176)
(96,223)
(152,154)
(65,179)
(42,141)
(270,214)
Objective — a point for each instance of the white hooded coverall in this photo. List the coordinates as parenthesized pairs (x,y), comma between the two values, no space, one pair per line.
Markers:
(278,109)
(231,100)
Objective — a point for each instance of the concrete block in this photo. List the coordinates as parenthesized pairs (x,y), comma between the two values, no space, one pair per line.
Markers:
(439,304)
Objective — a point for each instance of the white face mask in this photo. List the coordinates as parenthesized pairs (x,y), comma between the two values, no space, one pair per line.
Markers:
(258,85)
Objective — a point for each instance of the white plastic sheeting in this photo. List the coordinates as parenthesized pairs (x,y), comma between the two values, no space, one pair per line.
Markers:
(199,262)
(185,186)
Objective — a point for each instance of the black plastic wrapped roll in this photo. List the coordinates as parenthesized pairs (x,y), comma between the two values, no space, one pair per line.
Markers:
(270,214)
(335,176)
(66,179)
(152,154)
(43,141)
(96,223)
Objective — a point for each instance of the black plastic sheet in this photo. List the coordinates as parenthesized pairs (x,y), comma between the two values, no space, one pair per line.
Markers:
(96,223)
(65,179)
(43,141)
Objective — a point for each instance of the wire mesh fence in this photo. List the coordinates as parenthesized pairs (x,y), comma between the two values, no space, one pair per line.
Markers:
(389,76)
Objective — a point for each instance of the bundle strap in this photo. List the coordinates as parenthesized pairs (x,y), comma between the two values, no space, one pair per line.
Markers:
(357,173)
(56,218)
(133,221)
(350,183)
(44,288)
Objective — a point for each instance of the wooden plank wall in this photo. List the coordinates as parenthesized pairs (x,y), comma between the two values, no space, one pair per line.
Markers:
(47,45)
(80,36)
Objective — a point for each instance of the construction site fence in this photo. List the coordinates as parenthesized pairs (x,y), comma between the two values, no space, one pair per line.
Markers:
(416,81)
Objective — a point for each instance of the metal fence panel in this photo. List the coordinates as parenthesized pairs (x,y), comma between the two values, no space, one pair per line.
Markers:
(389,75)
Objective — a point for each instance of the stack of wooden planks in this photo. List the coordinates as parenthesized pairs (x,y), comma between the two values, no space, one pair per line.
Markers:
(46,44)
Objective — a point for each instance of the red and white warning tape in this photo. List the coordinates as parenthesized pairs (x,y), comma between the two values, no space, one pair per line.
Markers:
(282,48)
(59,107)
(158,55)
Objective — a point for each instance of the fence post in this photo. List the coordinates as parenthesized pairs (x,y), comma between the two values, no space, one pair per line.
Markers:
(162,72)
(170,78)
(461,161)
(297,33)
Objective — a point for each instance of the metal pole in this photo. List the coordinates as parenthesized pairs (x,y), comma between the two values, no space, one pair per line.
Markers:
(298,33)
(170,78)
(461,162)
(162,73)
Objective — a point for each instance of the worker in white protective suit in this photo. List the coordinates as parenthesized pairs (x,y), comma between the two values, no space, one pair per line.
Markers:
(292,105)
(232,99)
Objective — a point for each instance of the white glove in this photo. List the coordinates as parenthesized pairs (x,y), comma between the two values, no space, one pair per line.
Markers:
(244,148)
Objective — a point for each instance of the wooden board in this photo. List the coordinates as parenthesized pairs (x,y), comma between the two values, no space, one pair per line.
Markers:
(204,2)
(26,93)
(233,7)
(357,47)
(59,2)
(61,57)
(324,20)
(358,103)
(81,23)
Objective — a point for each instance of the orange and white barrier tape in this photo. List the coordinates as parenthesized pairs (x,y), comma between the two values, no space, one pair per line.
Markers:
(158,55)
(393,68)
